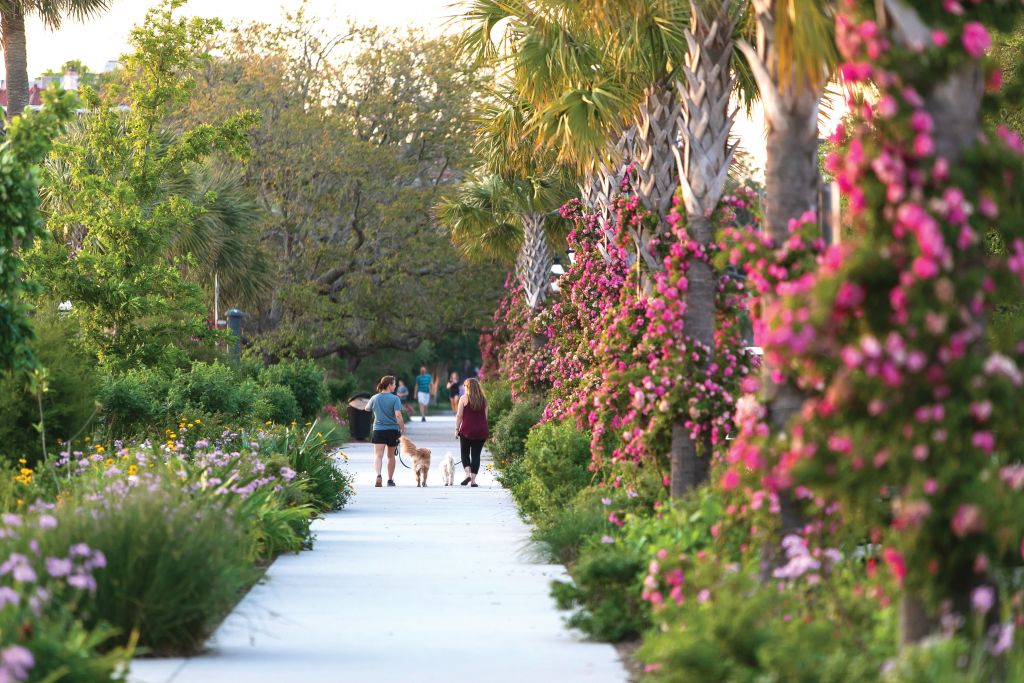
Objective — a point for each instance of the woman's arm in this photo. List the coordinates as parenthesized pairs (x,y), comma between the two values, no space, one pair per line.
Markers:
(458,415)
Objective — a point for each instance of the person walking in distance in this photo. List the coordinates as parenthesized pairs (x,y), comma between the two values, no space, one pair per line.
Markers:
(388,426)
(453,391)
(402,392)
(423,385)
(471,428)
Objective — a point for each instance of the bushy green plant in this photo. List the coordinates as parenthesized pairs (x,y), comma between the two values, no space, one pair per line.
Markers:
(509,435)
(176,562)
(605,593)
(69,403)
(554,468)
(563,533)
(499,400)
(304,379)
(308,454)
(40,626)
(132,402)
(273,526)
(275,402)
(743,631)
(206,388)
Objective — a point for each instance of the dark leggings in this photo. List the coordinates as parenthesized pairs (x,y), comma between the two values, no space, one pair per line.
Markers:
(471,448)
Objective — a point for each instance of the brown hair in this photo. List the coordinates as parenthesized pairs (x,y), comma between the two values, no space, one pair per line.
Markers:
(385,382)
(475,395)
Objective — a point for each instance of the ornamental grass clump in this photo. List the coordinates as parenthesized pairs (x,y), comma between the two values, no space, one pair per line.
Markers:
(176,560)
(48,580)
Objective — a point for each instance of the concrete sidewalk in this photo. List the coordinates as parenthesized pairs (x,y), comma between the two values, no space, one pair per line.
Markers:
(404,585)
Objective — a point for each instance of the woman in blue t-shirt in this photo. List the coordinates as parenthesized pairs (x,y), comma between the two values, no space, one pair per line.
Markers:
(388,426)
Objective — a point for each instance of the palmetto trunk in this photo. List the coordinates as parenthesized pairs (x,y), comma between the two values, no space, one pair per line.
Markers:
(791,188)
(534,261)
(657,135)
(603,182)
(12,27)
(703,165)
(791,123)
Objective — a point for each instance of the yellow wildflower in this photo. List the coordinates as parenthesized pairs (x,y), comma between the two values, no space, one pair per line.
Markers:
(133,470)
(108,462)
(268,422)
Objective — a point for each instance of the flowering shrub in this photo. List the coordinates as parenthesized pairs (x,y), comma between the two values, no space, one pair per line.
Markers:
(910,428)
(654,375)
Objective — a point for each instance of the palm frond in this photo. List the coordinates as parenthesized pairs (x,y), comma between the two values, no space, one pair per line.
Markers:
(804,42)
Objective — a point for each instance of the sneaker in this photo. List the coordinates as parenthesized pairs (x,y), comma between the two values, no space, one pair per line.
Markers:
(423,419)
(379,483)
(475,485)
(391,482)
(464,481)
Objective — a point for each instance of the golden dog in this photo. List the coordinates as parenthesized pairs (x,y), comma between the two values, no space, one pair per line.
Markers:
(420,460)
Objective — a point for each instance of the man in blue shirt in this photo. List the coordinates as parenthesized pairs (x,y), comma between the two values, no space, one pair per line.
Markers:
(424,385)
(388,426)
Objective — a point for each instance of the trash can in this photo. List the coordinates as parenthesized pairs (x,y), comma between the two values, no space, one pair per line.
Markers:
(360,420)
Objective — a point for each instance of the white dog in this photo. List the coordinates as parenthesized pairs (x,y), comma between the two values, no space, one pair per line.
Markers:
(448,469)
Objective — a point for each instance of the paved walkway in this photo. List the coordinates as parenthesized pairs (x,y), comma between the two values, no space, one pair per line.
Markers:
(405,585)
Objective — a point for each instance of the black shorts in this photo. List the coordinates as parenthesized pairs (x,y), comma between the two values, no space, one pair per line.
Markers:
(388,437)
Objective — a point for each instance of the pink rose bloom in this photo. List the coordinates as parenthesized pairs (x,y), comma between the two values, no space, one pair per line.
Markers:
(984,442)
(897,565)
(967,520)
(975,39)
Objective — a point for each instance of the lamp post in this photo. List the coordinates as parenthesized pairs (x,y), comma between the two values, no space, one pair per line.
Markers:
(556,272)
(234,317)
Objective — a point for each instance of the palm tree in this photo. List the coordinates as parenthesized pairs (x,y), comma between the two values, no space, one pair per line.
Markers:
(509,205)
(592,72)
(12,32)
(509,218)
(703,165)
(791,65)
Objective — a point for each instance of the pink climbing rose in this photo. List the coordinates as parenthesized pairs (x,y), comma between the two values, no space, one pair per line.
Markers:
(975,39)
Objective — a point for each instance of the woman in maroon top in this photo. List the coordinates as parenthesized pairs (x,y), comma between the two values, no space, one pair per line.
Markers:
(471,428)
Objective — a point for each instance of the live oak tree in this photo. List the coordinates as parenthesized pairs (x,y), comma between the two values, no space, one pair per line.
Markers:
(362,134)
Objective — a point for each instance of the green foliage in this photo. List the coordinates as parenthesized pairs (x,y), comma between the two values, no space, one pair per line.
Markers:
(132,400)
(605,594)
(27,143)
(69,405)
(145,401)
(44,616)
(175,562)
(745,632)
(563,536)
(499,400)
(115,201)
(509,437)
(304,379)
(339,390)
(206,388)
(276,402)
(307,452)
(273,527)
(554,467)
